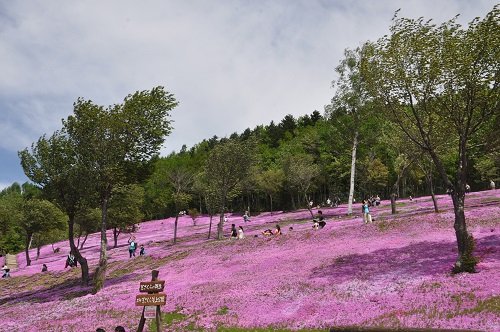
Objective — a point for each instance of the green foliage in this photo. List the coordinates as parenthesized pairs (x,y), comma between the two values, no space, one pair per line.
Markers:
(125,206)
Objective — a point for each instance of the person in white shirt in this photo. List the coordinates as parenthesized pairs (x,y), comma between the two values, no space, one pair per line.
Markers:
(241,236)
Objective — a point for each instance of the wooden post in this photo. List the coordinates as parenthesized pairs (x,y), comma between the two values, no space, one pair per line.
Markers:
(154,277)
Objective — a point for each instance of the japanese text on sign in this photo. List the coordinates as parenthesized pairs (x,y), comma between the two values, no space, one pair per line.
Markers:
(150,299)
(152,286)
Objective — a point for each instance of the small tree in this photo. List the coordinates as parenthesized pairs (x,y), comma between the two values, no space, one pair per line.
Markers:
(300,172)
(125,209)
(39,216)
(194,214)
(270,182)
(227,165)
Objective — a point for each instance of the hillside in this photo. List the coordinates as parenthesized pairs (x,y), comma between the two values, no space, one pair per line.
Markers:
(392,273)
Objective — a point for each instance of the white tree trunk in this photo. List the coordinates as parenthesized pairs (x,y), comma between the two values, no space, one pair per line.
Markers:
(353,170)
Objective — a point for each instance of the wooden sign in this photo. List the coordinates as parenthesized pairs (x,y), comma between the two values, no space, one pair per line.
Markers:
(150,299)
(152,286)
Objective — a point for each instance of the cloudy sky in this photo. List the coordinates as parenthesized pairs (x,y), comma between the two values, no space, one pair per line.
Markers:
(231,64)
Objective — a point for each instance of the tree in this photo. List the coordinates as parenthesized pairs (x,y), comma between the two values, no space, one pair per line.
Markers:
(52,165)
(115,144)
(271,181)
(11,239)
(87,221)
(440,80)
(39,216)
(351,97)
(181,180)
(125,209)
(300,172)
(227,165)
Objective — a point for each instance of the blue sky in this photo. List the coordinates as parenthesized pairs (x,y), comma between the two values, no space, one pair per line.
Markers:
(231,64)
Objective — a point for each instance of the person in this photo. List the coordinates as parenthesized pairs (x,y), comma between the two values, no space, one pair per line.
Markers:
(319,221)
(367,218)
(329,202)
(119,328)
(100,329)
(234,233)
(363,203)
(131,247)
(267,232)
(492,185)
(6,271)
(70,260)
(44,268)
(225,218)
(411,198)
(142,252)
(311,203)
(377,200)
(277,230)
(241,236)
(246,217)
(467,188)
(290,228)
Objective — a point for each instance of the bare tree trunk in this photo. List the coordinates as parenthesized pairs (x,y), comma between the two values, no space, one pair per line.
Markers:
(100,273)
(431,187)
(220,225)
(74,249)
(466,262)
(116,233)
(393,203)
(38,251)
(294,207)
(84,240)
(27,249)
(271,199)
(175,227)
(353,171)
(210,227)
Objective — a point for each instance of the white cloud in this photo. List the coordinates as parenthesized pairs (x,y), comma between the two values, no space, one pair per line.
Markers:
(231,64)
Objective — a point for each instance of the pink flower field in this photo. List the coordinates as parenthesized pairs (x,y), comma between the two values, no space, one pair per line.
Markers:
(394,273)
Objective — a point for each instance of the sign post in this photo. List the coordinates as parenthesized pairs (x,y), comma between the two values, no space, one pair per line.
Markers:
(151,301)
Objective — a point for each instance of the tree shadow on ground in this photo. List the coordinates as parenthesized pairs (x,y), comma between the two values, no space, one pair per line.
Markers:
(418,259)
(65,290)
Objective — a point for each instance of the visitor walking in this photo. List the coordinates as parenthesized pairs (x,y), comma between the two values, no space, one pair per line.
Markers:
(131,247)
(142,252)
(366,213)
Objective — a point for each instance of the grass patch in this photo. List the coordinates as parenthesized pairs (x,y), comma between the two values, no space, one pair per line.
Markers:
(491,304)
(223,310)
(264,329)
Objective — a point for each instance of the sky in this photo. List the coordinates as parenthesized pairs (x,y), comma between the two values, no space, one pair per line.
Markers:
(231,64)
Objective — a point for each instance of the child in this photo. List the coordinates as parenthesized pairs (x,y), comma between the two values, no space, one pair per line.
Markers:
(241,236)
(246,217)
(319,221)
(234,233)
(277,230)
(44,268)
(143,251)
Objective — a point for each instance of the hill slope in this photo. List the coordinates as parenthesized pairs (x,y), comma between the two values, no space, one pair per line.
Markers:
(392,273)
